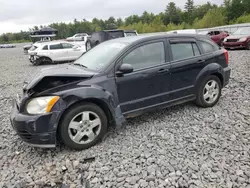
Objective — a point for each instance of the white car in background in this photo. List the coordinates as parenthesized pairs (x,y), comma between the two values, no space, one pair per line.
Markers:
(184,31)
(78,37)
(54,51)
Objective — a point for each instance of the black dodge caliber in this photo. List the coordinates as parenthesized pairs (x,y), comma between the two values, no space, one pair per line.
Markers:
(120,78)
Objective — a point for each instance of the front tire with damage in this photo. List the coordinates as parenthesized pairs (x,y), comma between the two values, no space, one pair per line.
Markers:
(83,126)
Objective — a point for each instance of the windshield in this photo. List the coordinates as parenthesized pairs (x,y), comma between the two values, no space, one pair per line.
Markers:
(100,56)
(243,31)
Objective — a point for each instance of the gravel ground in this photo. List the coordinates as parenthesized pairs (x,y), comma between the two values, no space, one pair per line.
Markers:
(182,146)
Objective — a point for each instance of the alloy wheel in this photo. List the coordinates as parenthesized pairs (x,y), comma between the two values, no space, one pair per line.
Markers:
(211,91)
(84,127)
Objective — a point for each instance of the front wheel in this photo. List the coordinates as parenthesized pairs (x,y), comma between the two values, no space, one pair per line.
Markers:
(83,126)
(209,92)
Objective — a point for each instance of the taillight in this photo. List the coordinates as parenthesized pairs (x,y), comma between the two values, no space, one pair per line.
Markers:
(226,56)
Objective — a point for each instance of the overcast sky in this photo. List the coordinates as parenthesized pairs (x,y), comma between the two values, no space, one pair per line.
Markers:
(16,15)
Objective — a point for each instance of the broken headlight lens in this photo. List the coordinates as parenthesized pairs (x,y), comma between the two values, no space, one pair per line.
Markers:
(41,105)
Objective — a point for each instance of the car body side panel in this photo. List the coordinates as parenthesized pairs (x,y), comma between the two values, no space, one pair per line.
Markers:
(102,91)
(212,68)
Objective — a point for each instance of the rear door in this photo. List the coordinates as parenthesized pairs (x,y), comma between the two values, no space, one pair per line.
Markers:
(72,53)
(186,63)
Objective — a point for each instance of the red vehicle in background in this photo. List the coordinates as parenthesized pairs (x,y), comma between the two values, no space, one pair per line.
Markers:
(217,36)
(238,40)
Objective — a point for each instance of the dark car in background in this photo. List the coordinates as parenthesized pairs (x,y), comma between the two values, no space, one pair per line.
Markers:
(217,36)
(101,36)
(7,46)
(118,79)
(238,40)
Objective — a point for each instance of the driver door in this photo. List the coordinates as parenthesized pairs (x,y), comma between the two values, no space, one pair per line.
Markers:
(149,83)
(72,53)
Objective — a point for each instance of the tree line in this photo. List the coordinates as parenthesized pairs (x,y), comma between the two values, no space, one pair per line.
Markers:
(172,18)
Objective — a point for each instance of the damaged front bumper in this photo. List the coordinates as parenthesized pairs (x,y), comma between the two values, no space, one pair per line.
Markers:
(36,130)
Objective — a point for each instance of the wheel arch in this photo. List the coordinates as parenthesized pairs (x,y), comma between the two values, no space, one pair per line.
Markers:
(95,101)
(211,69)
(44,56)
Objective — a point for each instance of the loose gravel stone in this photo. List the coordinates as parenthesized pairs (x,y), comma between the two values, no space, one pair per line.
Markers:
(182,146)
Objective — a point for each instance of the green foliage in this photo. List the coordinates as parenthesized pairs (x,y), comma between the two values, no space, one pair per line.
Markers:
(212,18)
(173,18)
(243,19)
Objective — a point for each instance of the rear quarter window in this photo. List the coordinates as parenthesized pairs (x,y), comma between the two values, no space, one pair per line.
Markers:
(208,47)
(45,47)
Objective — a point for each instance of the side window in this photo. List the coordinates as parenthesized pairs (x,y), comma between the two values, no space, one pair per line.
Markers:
(146,56)
(56,47)
(67,46)
(184,50)
(208,48)
(217,32)
(45,47)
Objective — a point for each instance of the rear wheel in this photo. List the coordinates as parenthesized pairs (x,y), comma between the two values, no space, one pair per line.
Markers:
(209,92)
(83,126)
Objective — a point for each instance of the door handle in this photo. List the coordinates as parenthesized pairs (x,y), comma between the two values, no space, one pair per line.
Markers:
(201,61)
(163,70)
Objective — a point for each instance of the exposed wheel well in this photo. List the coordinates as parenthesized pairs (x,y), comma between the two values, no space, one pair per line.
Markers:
(220,77)
(46,58)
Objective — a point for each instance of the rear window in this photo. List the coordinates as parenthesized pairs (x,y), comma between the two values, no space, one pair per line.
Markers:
(116,34)
(45,47)
(33,48)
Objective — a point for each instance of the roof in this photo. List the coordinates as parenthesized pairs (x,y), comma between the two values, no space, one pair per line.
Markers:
(151,36)
(51,42)
(112,30)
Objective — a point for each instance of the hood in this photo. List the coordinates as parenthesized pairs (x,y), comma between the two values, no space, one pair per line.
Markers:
(60,72)
(237,36)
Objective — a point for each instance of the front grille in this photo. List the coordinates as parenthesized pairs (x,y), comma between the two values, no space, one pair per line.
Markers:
(232,40)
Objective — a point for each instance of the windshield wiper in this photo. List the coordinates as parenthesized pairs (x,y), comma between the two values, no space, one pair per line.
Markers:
(81,65)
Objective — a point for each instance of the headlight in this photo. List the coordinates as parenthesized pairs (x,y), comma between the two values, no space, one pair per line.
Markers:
(242,39)
(41,105)
(225,40)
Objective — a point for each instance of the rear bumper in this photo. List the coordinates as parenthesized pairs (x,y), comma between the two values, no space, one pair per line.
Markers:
(36,130)
(235,45)
(227,73)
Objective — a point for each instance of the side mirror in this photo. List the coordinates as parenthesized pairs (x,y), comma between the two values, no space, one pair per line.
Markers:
(75,47)
(124,69)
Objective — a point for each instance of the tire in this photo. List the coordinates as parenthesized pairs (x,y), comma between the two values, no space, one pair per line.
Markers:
(74,123)
(209,97)
(42,60)
(88,45)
